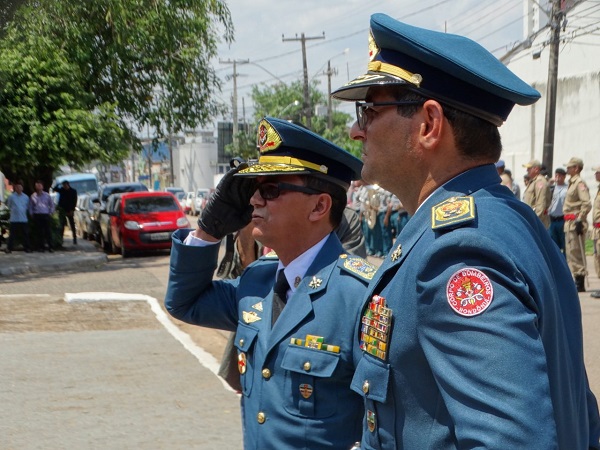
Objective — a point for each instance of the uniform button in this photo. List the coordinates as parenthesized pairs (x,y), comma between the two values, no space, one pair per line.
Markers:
(366,387)
(241,342)
(307,366)
(266,373)
(261,417)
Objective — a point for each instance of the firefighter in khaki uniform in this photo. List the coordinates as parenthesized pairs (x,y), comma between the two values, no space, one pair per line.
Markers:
(596,230)
(538,195)
(576,208)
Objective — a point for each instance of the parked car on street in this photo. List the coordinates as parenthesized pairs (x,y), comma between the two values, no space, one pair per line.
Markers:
(84,216)
(181,199)
(190,206)
(202,196)
(108,189)
(142,221)
(174,190)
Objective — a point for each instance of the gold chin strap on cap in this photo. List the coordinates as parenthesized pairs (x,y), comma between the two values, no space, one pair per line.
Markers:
(378,66)
(293,162)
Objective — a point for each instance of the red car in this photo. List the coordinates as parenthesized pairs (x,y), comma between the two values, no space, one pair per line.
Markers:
(144,221)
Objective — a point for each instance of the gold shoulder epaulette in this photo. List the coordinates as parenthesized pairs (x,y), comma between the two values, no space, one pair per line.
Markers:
(358,266)
(452,212)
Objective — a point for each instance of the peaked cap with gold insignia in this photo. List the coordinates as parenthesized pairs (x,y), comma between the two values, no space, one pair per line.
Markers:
(447,67)
(289,149)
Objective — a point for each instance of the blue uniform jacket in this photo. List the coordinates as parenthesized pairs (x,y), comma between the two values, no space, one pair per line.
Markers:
(301,395)
(510,377)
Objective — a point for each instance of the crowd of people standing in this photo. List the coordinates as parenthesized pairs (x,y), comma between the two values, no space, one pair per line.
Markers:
(563,207)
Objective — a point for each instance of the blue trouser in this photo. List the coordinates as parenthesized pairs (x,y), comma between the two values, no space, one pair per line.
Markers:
(557,233)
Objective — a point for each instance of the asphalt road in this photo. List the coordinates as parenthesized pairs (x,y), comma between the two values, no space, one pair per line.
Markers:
(106,371)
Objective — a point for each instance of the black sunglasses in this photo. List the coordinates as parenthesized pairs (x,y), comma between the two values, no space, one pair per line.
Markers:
(270,191)
(361,109)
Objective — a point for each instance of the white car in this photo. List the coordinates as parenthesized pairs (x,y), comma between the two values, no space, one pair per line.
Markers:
(190,204)
(200,199)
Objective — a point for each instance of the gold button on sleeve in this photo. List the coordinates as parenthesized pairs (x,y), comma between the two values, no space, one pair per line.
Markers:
(266,373)
(241,342)
(260,417)
(307,366)
(365,387)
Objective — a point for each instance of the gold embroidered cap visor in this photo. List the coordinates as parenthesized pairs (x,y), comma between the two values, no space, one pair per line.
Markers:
(449,68)
(289,149)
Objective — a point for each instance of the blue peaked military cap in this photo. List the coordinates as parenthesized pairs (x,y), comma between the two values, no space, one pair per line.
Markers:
(449,68)
(289,149)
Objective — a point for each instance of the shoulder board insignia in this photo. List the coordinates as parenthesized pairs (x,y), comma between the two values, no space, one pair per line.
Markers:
(271,255)
(358,266)
(452,212)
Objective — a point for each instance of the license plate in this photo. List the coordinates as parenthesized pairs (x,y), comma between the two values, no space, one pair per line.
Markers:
(160,236)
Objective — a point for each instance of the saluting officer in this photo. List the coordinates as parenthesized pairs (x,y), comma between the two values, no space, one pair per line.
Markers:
(295,367)
(596,230)
(538,195)
(471,330)
(576,208)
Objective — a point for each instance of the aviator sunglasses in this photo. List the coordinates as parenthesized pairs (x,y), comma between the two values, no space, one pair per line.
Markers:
(270,191)
(362,116)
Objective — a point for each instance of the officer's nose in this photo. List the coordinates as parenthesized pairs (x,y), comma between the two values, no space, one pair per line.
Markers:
(356,133)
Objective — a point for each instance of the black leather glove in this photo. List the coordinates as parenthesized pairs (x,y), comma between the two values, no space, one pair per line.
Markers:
(229,209)
(579,227)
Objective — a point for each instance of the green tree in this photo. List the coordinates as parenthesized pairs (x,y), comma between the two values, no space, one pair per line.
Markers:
(47,119)
(139,63)
(285,101)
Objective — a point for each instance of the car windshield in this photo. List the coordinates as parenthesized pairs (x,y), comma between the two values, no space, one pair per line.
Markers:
(150,204)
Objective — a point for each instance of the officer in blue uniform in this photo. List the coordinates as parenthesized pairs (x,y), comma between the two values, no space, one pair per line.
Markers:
(471,329)
(295,369)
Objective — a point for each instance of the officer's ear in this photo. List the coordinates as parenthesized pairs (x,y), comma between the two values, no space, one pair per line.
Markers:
(322,207)
(433,124)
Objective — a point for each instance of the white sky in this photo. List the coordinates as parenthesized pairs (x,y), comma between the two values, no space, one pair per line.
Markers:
(260,24)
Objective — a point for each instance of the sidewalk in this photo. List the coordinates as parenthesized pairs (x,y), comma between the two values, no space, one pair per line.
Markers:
(84,254)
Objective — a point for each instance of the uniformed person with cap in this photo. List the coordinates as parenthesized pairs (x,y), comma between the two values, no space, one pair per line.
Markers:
(576,208)
(295,337)
(471,330)
(538,195)
(596,229)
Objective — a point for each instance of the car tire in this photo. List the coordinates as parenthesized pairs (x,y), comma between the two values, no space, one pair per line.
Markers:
(113,247)
(105,245)
(124,252)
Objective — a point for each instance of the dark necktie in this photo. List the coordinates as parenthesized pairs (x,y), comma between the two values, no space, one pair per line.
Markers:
(279,295)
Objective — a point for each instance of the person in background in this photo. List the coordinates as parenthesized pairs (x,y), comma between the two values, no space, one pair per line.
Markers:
(576,208)
(471,331)
(67,201)
(515,186)
(505,177)
(295,311)
(596,229)
(41,207)
(18,203)
(537,195)
(555,212)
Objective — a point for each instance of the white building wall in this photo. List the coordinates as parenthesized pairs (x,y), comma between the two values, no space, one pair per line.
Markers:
(195,163)
(577,126)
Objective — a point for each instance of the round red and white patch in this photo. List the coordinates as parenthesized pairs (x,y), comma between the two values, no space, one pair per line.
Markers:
(469,292)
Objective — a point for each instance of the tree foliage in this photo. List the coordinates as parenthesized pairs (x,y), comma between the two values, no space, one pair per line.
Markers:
(285,101)
(128,62)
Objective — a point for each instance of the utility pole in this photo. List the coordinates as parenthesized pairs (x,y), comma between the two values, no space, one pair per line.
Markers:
(234,97)
(556,19)
(307,107)
(330,73)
